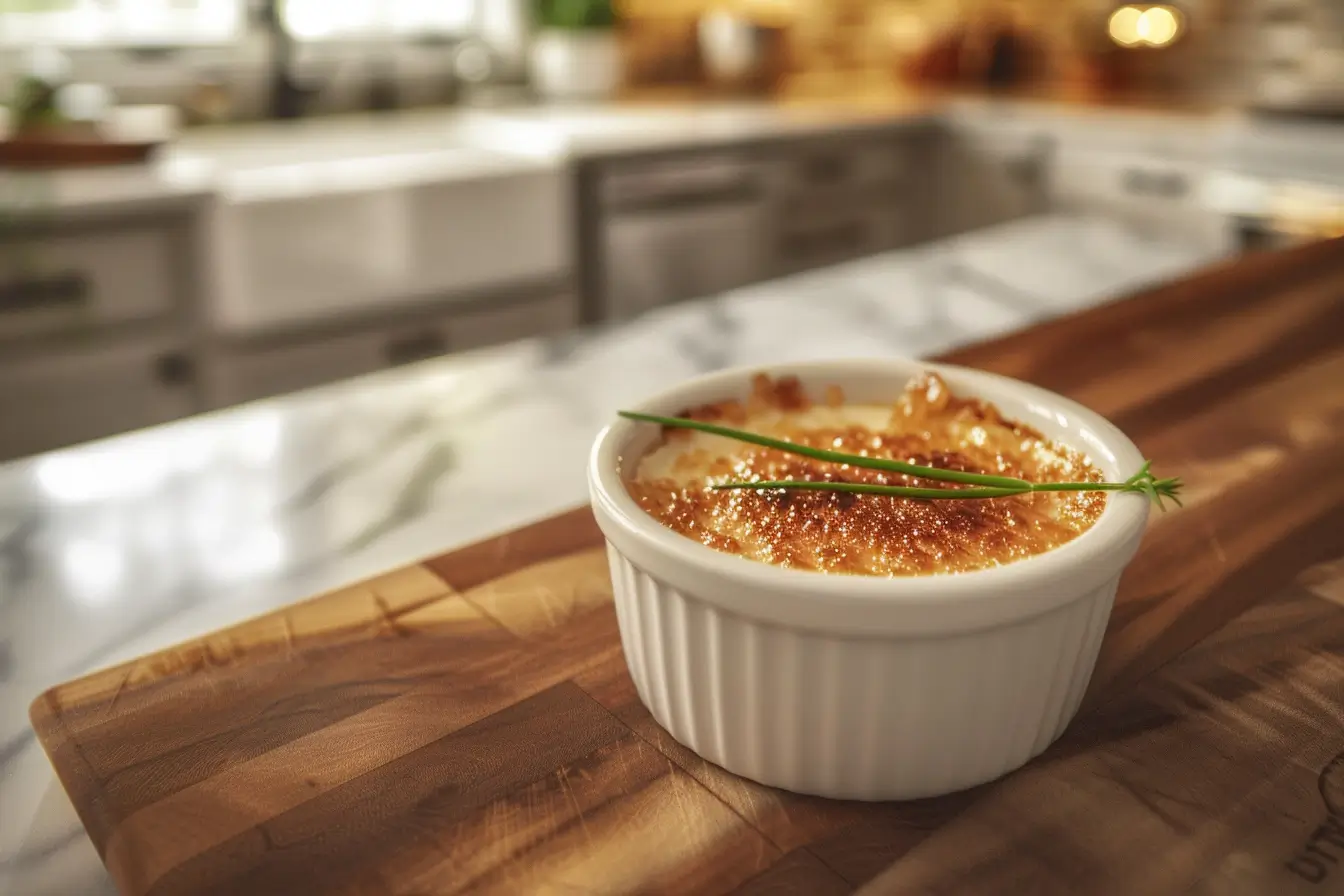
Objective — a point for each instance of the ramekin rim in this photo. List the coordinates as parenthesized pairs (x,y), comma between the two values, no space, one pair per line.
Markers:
(1084,557)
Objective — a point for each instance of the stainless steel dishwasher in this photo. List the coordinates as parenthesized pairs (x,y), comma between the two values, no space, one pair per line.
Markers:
(674,229)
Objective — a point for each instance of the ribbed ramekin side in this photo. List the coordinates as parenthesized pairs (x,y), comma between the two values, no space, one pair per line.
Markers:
(857,718)
(1102,601)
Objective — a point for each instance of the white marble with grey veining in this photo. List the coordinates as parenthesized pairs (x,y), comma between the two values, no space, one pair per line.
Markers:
(114,549)
(315,156)
(319,156)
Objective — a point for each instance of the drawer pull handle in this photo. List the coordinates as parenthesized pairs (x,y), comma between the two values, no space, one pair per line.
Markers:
(419,347)
(1026,172)
(845,239)
(174,369)
(1170,185)
(826,169)
(57,291)
(1175,186)
(1137,182)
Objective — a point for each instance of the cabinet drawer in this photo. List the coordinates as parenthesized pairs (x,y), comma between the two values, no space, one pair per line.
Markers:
(847,165)
(698,177)
(1160,136)
(986,178)
(66,398)
(246,374)
(652,259)
(1161,196)
(1139,179)
(825,240)
(1015,145)
(69,282)
(482,326)
(1003,126)
(842,168)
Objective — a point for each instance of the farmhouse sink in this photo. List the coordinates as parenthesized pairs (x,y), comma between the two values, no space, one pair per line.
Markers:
(332,220)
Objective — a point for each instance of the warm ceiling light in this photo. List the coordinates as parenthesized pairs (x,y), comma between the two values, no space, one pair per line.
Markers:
(1158,25)
(1124,25)
(1151,26)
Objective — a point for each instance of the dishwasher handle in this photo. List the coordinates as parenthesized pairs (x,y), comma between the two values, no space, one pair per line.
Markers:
(682,183)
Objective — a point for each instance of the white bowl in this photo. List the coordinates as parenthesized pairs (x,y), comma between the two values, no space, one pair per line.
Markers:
(862,687)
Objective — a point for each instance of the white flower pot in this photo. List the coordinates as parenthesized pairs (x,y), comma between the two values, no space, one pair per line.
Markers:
(576,65)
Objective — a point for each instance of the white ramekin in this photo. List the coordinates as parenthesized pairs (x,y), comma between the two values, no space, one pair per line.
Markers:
(860,687)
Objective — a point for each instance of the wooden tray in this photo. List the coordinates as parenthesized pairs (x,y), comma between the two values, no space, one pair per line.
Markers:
(467,724)
(69,153)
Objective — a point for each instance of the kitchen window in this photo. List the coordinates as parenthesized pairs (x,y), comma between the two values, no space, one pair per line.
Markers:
(127,23)
(316,20)
(147,23)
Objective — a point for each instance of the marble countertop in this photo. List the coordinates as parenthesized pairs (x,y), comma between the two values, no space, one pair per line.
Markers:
(613,129)
(79,194)
(361,151)
(117,548)
(455,143)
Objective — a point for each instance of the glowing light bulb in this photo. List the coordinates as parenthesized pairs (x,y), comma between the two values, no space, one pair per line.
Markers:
(1152,26)
(1123,26)
(1158,26)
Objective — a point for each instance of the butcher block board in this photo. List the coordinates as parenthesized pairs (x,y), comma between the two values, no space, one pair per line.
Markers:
(467,724)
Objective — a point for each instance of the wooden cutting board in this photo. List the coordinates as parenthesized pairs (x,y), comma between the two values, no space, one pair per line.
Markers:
(467,724)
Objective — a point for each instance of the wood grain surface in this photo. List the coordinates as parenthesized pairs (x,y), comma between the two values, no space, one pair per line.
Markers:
(468,725)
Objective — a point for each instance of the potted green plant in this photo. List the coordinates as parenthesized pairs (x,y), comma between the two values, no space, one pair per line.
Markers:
(575,52)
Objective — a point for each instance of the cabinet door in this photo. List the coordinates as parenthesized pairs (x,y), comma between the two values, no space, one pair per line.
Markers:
(655,257)
(61,400)
(249,373)
(813,235)
(61,283)
(1162,196)
(497,323)
(990,177)
(840,200)
(848,165)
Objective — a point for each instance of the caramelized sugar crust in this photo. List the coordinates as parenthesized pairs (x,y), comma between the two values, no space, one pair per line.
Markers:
(865,534)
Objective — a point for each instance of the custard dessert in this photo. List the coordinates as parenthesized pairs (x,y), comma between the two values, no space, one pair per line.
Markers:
(864,534)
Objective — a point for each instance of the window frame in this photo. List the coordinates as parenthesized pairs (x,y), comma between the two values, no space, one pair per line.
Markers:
(99,24)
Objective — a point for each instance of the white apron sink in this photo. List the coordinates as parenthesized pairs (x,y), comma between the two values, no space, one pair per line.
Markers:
(322,224)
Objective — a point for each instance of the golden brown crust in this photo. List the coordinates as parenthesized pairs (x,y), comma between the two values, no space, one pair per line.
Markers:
(868,534)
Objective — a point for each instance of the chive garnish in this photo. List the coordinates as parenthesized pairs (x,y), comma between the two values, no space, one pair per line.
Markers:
(982,485)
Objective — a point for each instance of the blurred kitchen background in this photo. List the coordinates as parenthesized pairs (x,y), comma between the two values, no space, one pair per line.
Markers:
(208,202)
